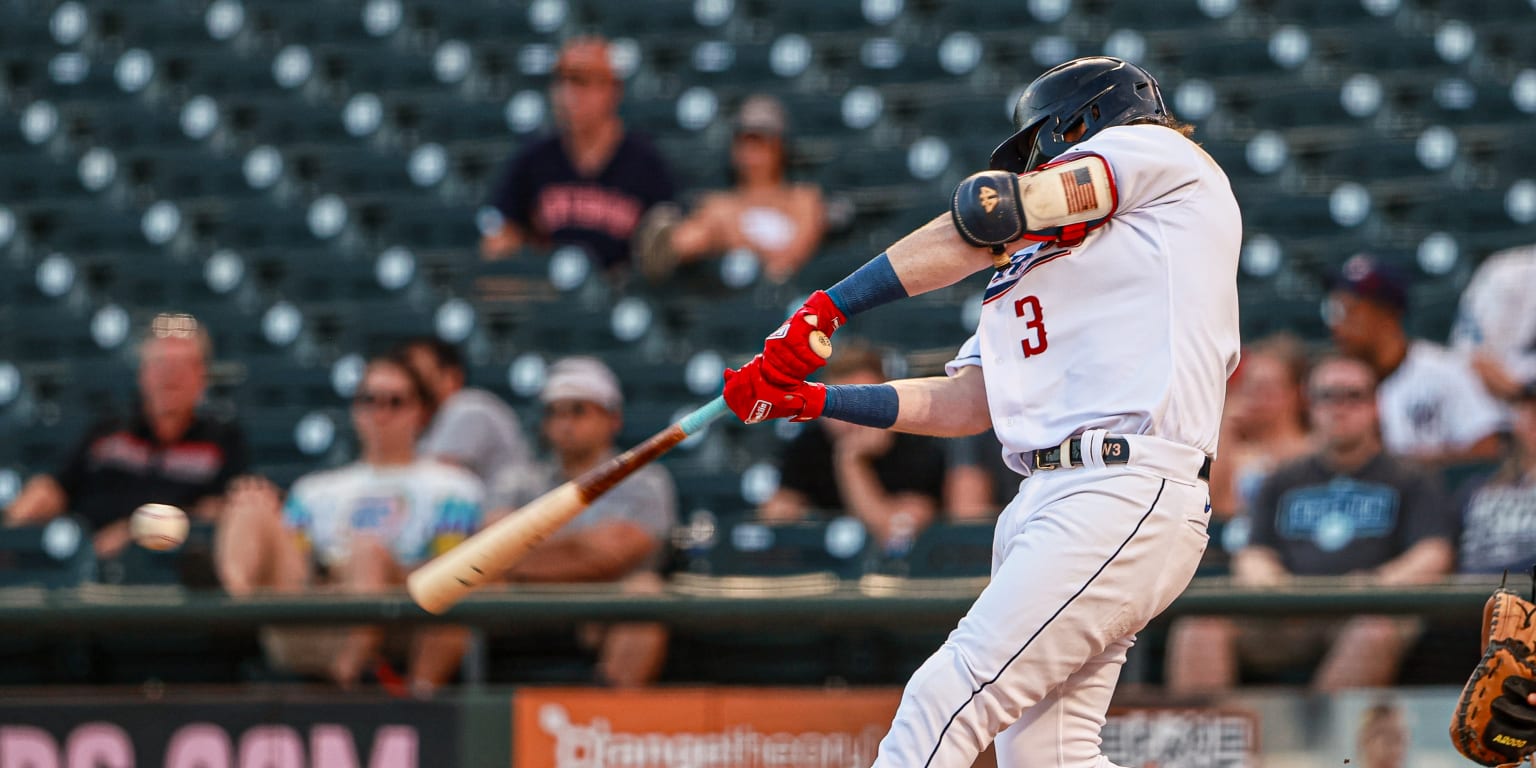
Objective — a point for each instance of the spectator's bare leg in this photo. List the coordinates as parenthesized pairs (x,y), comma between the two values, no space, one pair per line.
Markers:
(1366,654)
(632,654)
(252,549)
(435,656)
(370,568)
(1202,655)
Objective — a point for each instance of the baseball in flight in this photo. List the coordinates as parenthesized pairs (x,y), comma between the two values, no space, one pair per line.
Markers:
(160,527)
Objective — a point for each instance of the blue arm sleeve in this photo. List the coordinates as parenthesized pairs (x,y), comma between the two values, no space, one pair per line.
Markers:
(870,405)
(868,287)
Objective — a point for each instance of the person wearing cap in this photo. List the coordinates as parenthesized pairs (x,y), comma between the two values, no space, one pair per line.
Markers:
(168,451)
(779,221)
(587,184)
(1498,520)
(620,537)
(1433,407)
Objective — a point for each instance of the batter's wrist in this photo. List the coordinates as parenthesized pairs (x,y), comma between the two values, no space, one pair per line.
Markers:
(870,405)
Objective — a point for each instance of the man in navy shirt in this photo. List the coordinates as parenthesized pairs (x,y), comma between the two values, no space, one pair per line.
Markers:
(590,182)
(1350,509)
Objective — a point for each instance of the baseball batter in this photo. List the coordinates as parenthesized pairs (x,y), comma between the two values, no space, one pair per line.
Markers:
(1100,360)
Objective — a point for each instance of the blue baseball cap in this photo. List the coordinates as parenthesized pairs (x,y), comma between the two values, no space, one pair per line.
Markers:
(1368,278)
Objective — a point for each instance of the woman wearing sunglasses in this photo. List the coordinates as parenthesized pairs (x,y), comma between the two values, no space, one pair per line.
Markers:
(359,528)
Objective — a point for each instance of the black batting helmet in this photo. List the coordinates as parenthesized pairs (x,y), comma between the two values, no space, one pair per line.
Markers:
(1097,91)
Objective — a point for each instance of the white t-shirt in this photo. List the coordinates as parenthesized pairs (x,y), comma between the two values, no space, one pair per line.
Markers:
(1135,330)
(1498,311)
(420,510)
(1434,402)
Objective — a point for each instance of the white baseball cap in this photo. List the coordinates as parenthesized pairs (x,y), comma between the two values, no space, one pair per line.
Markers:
(583,378)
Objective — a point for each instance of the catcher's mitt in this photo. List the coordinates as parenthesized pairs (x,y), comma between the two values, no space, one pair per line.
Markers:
(1493,723)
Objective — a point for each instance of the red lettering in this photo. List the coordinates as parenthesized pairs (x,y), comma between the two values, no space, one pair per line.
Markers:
(1034,342)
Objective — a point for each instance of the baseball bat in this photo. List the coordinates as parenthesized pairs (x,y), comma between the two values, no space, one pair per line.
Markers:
(483,557)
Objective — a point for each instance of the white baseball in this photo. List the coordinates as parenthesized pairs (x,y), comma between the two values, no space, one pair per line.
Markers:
(159,527)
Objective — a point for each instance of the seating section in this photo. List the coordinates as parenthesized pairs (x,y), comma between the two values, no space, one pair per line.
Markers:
(306,176)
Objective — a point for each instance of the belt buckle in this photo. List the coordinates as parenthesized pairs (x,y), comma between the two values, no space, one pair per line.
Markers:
(1045,465)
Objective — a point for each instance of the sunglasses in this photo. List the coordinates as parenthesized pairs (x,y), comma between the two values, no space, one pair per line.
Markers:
(1340,396)
(391,401)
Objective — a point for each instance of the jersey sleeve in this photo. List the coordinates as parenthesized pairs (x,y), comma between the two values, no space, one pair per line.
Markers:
(969,355)
(1474,414)
(1148,164)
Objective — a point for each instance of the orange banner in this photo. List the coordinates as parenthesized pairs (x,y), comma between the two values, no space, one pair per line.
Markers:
(699,727)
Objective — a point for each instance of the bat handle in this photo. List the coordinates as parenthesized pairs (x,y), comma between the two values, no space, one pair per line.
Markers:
(703,415)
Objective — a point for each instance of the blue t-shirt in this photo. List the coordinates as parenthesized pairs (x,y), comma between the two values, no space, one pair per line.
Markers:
(542,192)
(1498,528)
(1328,523)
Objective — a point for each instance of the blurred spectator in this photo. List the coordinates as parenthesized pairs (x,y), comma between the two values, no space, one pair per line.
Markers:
(356,529)
(1349,509)
(590,182)
(1433,408)
(620,537)
(779,221)
(1264,424)
(471,427)
(977,483)
(166,451)
(1383,738)
(1499,515)
(892,482)
(1496,322)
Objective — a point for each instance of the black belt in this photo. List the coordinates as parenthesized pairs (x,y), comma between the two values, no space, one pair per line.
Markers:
(1117,450)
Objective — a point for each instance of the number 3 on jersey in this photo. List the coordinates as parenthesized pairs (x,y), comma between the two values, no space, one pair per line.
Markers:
(1034,341)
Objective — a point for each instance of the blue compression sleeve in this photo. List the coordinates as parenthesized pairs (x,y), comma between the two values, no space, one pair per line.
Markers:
(872,405)
(868,287)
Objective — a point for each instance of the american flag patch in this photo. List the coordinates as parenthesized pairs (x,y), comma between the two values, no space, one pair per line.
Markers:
(1078,186)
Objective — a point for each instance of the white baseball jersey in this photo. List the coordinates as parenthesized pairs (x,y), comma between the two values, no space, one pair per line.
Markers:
(419,510)
(1498,311)
(1135,329)
(1434,402)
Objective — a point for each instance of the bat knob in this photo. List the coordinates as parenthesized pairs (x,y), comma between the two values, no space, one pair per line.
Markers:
(821,344)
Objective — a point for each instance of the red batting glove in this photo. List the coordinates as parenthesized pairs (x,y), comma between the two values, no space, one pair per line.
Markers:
(788,357)
(752,398)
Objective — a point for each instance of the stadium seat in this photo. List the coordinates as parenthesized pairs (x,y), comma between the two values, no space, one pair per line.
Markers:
(54,555)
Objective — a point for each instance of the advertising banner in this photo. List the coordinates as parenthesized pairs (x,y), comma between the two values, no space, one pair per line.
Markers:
(699,728)
(226,733)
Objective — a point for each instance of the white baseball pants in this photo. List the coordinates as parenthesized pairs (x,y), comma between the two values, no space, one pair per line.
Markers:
(1082,559)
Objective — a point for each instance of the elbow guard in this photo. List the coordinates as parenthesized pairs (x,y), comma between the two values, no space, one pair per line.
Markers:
(1062,201)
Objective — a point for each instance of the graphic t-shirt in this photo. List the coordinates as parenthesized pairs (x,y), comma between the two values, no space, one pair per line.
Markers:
(1327,523)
